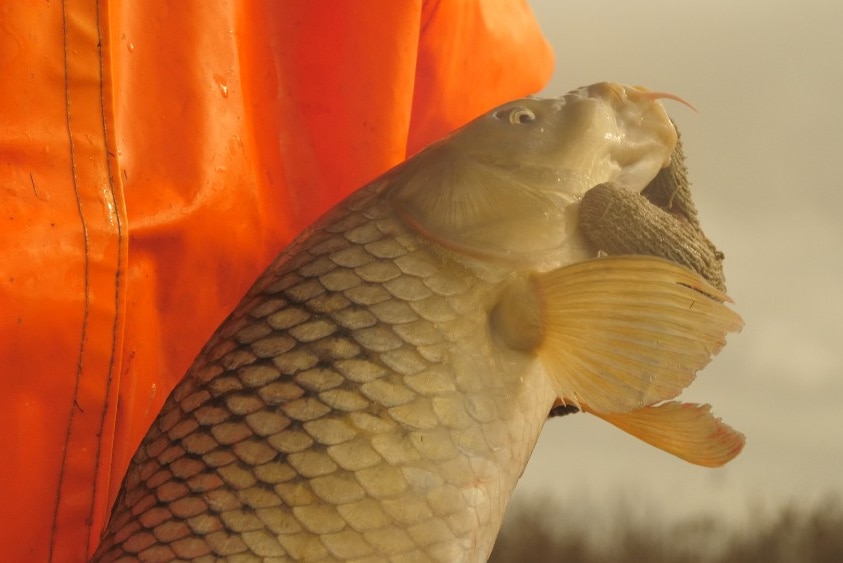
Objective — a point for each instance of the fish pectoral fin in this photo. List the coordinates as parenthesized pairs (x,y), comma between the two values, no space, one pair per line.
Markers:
(687,430)
(617,333)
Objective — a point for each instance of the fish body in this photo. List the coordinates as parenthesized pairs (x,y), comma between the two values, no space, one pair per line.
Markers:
(378,392)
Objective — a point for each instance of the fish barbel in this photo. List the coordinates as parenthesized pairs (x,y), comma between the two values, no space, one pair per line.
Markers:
(378,392)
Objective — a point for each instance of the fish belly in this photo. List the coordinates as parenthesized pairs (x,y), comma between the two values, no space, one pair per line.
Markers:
(353,407)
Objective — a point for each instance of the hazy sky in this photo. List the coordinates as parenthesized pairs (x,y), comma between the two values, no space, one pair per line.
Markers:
(763,153)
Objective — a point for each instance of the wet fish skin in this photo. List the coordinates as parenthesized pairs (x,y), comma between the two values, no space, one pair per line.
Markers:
(377,393)
(329,418)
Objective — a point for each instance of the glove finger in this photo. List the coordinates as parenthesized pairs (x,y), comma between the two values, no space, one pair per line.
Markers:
(670,189)
(618,221)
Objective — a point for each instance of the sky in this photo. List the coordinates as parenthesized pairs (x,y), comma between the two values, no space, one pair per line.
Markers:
(762,153)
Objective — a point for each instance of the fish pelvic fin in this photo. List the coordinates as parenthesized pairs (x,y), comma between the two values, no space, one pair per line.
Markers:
(617,333)
(687,430)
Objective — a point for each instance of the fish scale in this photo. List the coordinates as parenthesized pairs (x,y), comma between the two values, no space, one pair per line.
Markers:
(377,393)
(339,413)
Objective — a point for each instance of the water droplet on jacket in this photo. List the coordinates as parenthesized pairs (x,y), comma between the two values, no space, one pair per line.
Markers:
(222,85)
(131,47)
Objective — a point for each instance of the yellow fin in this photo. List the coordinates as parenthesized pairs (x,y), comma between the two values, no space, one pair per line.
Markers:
(625,332)
(688,431)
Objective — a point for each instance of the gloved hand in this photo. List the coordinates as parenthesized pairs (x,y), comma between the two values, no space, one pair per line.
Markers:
(661,221)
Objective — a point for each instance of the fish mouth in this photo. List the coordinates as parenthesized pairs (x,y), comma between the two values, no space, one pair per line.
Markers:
(643,137)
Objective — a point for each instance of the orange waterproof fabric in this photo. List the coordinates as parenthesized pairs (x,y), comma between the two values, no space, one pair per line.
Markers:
(154,157)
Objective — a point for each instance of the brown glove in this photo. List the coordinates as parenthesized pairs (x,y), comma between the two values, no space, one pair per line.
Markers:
(661,221)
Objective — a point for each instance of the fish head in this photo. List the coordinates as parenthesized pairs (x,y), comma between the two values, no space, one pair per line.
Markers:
(507,184)
(594,134)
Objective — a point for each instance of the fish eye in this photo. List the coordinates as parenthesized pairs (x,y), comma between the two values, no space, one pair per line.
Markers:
(516,116)
(521,115)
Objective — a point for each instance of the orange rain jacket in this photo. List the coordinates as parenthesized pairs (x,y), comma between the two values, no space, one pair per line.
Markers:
(154,157)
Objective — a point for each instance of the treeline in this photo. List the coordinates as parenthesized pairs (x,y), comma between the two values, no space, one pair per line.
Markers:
(542,532)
